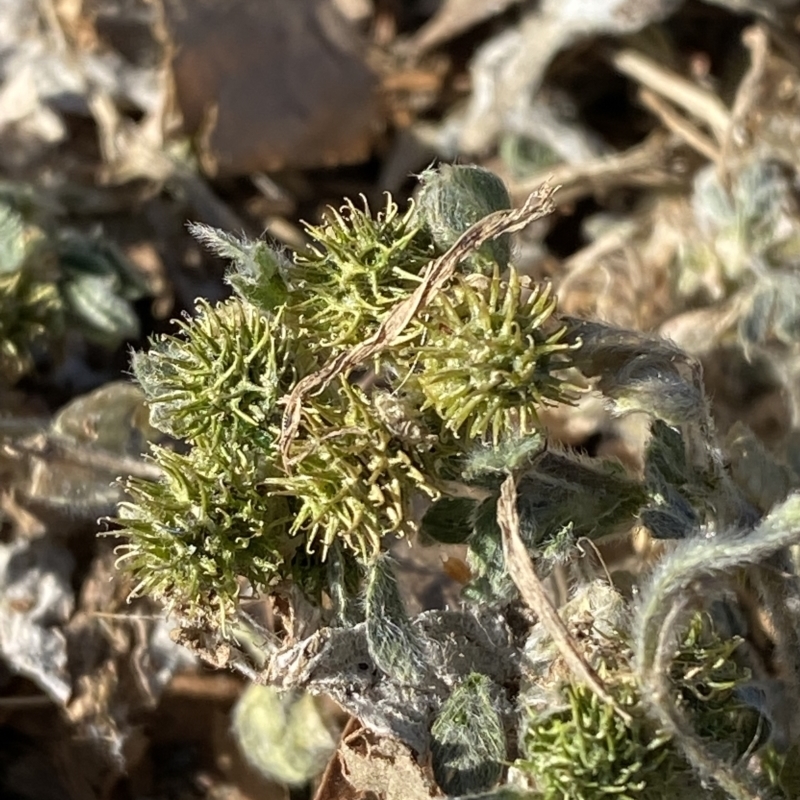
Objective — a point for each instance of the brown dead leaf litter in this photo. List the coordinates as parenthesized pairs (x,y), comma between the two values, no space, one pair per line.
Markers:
(672,130)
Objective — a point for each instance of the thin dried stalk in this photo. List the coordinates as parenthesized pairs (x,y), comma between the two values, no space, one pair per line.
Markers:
(748,91)
(646,164)
(520,568)
(679,125)
(701,103)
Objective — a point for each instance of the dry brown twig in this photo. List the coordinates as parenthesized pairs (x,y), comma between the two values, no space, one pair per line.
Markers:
(756,41)
(452,19)
(333,782)
(698,102)
(587,258)
(679,125)
(520,568)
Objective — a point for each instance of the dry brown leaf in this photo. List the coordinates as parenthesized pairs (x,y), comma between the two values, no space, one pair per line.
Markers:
(539,204)
(333,785)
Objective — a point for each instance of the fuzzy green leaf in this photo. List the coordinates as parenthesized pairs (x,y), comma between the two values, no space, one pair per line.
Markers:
(449,520)
(468,744)
(12,241)
(257,272)
(393,643)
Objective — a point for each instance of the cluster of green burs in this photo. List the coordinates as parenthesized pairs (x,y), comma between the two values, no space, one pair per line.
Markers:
(233,506)
(436,418)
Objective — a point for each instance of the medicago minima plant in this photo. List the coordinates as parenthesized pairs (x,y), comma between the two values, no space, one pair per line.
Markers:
(392,380)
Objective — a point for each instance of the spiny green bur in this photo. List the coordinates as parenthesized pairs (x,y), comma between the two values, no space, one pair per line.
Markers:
(417,438)
(570,738)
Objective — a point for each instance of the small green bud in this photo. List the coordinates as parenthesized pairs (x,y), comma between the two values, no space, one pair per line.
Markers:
(452,198)
(257,271)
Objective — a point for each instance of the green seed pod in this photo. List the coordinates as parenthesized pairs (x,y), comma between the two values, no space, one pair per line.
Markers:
(219,378)
(196,532)
(585,749)
(492,356)
(355,270)
(452,198)
(352,477)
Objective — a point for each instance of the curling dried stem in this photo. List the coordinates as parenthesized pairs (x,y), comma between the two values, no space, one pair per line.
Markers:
(682,579)
(521,570)
(675,722)
(436,275)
